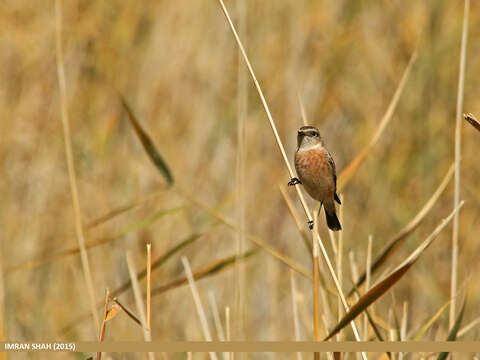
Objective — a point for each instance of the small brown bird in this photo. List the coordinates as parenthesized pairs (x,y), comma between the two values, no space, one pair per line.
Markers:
(316,171)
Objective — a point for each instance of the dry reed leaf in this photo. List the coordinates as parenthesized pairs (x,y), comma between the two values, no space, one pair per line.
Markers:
(348,172)
(472,120)
(425,327)
(157,262)
(255,239)
(113,311)
(389,248)
(208,270)
(135,226)
(147,143)
(452,336)
(129,313)
(383,286)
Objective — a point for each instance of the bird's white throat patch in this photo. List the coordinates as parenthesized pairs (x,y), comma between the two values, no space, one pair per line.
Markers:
(309,146)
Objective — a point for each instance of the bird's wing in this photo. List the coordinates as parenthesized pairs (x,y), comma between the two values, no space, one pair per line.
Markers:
(334,172)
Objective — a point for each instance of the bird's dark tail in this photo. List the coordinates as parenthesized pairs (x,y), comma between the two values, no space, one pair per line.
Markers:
(332,221)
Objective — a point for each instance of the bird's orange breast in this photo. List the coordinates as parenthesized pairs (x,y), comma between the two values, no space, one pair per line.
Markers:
(315,172)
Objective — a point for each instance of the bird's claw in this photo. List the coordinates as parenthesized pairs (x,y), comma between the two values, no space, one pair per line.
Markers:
(294,181)
(310,224)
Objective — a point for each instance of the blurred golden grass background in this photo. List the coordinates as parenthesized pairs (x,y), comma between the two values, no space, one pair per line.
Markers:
(176,64)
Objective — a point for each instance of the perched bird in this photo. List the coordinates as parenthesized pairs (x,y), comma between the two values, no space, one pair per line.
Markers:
(316,172)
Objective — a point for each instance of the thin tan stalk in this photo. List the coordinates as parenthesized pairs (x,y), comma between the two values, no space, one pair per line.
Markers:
(104,321)
(198,304)
(296,323)
(298,222)
(70,164)
(149,285)
(302,109)
(403,327)
(316,281)
(216,319)
(138,300)
(3,333)
(242,108)
(227,326)
(458,143)
(339,264)
(316,237)
(216,316)
(367,285)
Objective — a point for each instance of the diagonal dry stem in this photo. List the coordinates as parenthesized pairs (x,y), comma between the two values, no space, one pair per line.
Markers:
(198,304)
(348,172)
(290,171)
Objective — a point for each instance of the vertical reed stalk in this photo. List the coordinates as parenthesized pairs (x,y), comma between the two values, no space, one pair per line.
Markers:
(296,322)
(242,108)
(458,143)
(367,284)
(70,164)
(227,327)
(149,285)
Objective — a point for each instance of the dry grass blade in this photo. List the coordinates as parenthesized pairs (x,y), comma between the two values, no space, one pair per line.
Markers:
(300,224)
(123,208)
(472,120)
(348,172)
(147,143)
(156,263)
(198,304)
(383,286)
(255,239)
(113,311)
(389,248)
(129,313)
(149,284)
(452,336)
(458,155)
(71,165)
(135,226)
(430,322)
(104,321)
(139,300)
(208,270)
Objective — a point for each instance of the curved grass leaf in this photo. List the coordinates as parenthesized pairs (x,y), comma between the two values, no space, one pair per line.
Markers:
(207,270)
(383,286)
(472,120)
(91,244)
(147,143)
(156,263)
(255,239)
(452,336)
(389,248)
(348,172)
(425,327)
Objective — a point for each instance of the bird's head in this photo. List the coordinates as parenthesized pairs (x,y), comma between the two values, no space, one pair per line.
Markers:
(308,136)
